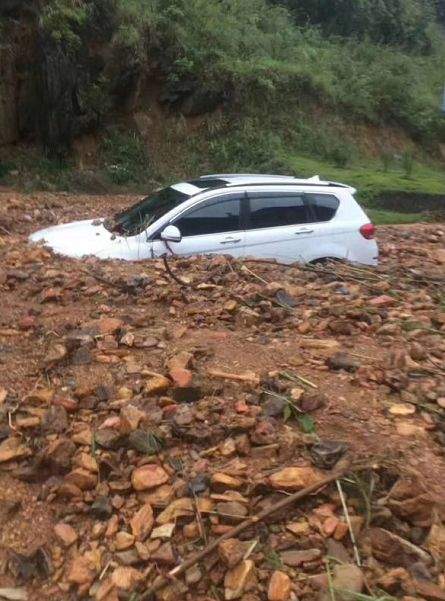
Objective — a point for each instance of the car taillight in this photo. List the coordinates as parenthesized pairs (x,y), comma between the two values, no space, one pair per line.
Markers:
(368,231)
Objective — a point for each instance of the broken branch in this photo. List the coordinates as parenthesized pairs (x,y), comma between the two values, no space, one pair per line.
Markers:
(341,470)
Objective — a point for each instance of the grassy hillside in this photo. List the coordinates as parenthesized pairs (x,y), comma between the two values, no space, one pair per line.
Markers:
(164,89)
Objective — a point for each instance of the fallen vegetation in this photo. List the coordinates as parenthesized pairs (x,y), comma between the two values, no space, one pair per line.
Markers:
(241,430)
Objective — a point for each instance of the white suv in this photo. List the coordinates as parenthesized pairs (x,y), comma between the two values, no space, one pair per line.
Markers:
(265,216)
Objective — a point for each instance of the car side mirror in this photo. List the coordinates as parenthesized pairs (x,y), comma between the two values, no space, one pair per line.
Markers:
(171,234)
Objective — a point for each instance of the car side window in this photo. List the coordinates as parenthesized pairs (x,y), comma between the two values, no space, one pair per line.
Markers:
(323,206)
(212,217)
(273,209)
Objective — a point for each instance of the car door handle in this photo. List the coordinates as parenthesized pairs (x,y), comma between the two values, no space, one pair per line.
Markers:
(230,240)
(303,231)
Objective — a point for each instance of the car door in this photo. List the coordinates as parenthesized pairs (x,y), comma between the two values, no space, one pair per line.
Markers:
(278,225)
(330,234)
(213,226)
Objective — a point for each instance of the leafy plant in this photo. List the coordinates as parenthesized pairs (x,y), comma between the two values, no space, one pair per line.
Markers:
(273,560)
(407,161)
(126,157)
(291,410)
(5,168)
(63,19)
(386,158)
(306,423)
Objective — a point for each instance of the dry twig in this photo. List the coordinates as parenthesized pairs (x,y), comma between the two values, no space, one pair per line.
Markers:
(340,470)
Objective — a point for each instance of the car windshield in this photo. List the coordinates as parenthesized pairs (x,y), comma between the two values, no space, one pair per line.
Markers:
(137,218)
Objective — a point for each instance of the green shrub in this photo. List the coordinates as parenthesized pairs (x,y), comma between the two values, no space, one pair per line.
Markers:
(407,161)
(406,23)
(351,61)
(125,157)
(63,20)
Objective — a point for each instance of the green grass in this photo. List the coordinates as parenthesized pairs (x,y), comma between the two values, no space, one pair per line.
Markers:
(382,217)
(371,181)
(371,177)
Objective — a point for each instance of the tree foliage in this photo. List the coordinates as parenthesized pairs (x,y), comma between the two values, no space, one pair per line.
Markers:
(374,61)
(406,23)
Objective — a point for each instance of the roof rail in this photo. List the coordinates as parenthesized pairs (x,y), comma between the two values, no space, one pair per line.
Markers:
(235,175)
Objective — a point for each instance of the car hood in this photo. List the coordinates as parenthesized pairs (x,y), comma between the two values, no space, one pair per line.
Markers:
(78,239)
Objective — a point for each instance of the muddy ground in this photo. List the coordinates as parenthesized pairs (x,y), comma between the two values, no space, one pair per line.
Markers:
(218,385)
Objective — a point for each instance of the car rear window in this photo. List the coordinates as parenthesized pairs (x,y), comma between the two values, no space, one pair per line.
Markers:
(274,209)
(323,206)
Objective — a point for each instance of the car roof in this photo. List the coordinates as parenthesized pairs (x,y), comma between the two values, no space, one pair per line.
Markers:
(241,179)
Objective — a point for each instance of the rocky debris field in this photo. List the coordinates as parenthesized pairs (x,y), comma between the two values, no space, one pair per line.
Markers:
(146,415)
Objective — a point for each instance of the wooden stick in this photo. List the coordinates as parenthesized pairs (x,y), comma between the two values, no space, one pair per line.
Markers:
(342,468)
(170,272)
(348,521)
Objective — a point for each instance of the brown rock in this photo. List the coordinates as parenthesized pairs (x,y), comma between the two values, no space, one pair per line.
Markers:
(402,409)
(325,344)
(232,551)
(193,575)
(395,550)
(429,590)
(184,507)
(347,577)
(106,591)
(55,420)
(157,384)
(81,478)
(124,540)
(295,558)
(65,534)
(142,522)
(357,523)
(337,551)
(164,555)
(330,525)
(87,462)
(239,579)
(343,361)
(67,491)
(131,417)
(159,497)
(83,437)
(294,478)
(148,476)
(181,377)
(382,301)
(180,361)
(41,395)
(108,325)
(279,587)
(227,447)
(12,448)
(172,592)
(439,255)
(164,531)
(391,581)
(67,403)
(232,511)
(112,526)
(222,481)
(55,355)
(80,571)
(408,429)
(435,542)
(126,578)
(191,530)
(299,528)
(341,530)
